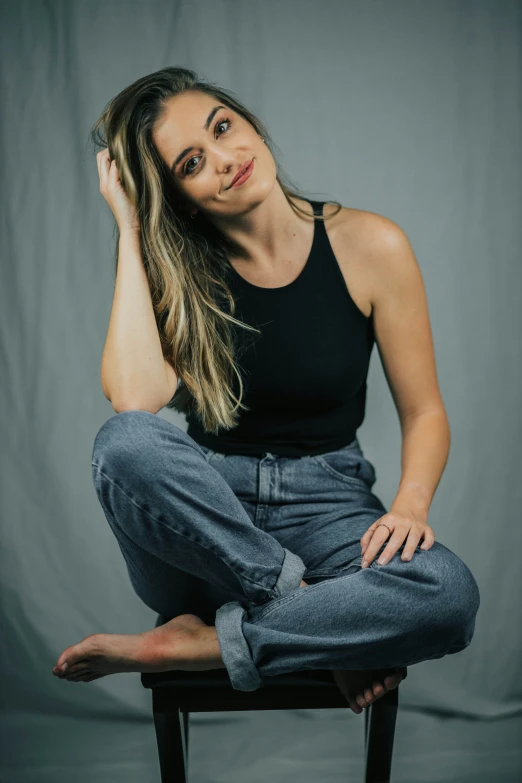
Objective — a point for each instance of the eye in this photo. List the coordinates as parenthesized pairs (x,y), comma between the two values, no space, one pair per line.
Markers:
(189,171)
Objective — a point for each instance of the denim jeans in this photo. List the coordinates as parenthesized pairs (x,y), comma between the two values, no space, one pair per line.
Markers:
(230,537)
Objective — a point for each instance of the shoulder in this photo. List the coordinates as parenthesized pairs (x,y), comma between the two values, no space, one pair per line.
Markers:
(393,284)
(370,232)
(374,245)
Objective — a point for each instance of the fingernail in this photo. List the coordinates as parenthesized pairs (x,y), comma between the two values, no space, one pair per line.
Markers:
(364,563)
(63,667)
(382,560)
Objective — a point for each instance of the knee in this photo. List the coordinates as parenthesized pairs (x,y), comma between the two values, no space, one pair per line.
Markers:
(127,439)
(117,437)
(456,596)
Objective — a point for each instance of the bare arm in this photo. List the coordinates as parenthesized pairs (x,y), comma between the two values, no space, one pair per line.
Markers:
(134,373)
(405,343)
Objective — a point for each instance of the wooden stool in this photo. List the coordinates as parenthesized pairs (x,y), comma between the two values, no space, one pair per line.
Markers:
(176,694)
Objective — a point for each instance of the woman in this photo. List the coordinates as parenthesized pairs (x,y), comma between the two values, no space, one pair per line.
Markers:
(254,311)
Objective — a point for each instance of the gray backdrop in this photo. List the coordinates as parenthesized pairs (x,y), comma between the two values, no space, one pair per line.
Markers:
(408,109)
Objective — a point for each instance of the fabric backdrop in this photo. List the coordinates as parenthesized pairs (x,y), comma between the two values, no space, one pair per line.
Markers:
(410,110)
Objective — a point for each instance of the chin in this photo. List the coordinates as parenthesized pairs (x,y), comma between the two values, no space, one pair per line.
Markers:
(263,188)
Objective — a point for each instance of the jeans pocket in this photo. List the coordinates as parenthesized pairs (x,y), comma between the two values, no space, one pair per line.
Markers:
(348,465)
(320,575)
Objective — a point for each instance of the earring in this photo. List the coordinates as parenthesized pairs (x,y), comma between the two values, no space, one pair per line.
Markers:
(193,215)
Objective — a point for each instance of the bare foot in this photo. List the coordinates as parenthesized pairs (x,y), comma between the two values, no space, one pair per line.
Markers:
(185,642)
(361,688)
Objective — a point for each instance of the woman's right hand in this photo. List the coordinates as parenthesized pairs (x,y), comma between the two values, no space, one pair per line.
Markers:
(114,194)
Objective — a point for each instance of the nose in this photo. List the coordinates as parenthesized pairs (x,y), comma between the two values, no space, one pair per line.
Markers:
(226,168)
(223,156)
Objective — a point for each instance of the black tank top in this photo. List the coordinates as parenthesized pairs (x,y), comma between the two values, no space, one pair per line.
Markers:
(305,375)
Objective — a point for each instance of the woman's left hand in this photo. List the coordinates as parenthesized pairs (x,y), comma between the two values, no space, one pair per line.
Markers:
(403,525)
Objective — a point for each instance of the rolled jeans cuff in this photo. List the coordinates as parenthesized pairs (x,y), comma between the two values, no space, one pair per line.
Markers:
(291,574)
(235,651)
(234,648)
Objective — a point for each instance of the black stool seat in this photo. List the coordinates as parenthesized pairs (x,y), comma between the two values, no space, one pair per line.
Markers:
(210,691)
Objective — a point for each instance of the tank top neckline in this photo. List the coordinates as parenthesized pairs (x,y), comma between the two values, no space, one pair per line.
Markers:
(316,206)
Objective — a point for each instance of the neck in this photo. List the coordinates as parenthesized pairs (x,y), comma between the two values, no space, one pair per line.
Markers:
(269,232)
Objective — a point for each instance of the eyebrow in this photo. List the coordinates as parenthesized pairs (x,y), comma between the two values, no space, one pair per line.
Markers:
(205,127)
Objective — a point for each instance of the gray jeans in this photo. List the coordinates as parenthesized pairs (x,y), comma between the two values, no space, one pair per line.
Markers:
(230,537)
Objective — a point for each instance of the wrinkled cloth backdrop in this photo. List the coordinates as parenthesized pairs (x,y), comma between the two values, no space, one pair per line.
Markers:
(411,110)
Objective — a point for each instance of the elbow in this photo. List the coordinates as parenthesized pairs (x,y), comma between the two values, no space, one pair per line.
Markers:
(119,406)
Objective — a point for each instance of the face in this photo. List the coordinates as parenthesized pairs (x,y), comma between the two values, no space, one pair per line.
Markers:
(206,159)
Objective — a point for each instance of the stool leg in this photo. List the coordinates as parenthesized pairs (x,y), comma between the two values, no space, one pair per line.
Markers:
(186,723)
(380,721)
(172,738)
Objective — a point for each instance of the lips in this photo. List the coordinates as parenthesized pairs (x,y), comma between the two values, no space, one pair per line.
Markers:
(241,172)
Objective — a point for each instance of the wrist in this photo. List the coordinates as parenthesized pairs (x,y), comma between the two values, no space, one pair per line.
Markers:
(129,232)
(412,497)
(129,237)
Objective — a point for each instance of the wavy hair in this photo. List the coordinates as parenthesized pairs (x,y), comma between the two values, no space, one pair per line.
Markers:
(185,259)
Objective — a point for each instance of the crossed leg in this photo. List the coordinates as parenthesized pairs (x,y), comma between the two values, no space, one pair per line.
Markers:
(154,522)
(187,643)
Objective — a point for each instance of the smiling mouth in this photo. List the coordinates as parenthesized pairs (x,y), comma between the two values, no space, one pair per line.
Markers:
(247,168)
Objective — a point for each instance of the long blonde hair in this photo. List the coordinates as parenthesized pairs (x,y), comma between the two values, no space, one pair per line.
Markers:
(186,260)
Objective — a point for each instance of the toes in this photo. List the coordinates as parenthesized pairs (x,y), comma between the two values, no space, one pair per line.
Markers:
(392,681)
(92,677)
(70,656)
(379,689)
(366,695)
(358,701)
(362,694)
(361,701)
(373,692)
(79,676)
(78,652)
(86,677)
(351,698)
(72,669)
(62,659)
(77,668)
(369,695)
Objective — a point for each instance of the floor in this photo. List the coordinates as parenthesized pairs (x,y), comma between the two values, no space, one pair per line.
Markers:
(282,746)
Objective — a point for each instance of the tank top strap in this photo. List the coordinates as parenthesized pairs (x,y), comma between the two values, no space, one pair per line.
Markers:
(321,249)
(317,206)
